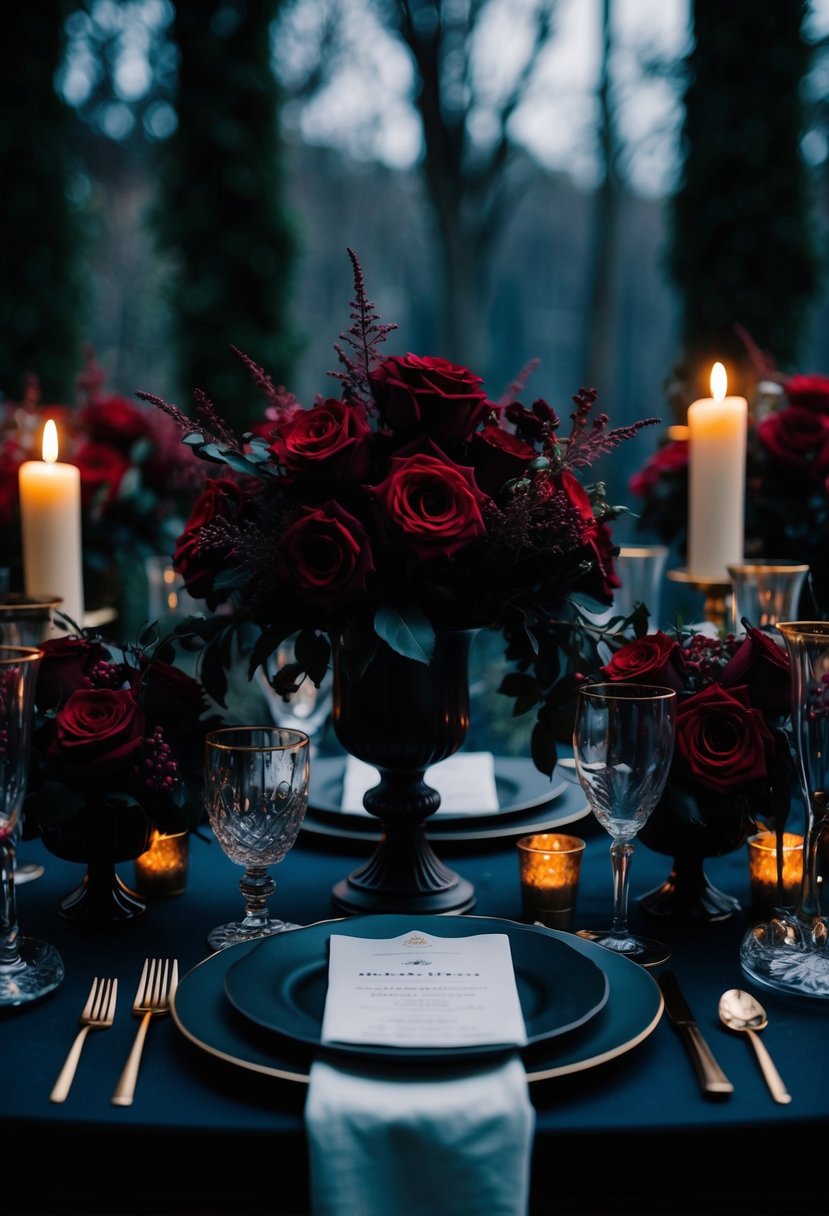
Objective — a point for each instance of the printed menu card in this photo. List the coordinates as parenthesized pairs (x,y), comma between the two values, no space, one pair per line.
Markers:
(421,990)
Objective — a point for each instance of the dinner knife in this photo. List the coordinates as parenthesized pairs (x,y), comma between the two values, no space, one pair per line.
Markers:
(713,1081)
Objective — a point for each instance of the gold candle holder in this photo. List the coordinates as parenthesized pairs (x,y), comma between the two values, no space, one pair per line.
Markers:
(763,876)
(549,867)
(162,867)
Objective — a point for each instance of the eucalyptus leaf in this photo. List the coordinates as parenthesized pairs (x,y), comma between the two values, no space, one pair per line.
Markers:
(408,631)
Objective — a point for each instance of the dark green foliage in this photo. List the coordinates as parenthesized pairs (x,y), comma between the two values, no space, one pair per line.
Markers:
(221,214)
(44,297)
(742,245)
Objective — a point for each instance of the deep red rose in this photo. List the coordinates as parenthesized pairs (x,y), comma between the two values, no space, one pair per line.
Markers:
(65,668)
(102,470)
(169,697)
(653,659)
(98,733)
(499,457)
(197,561)
(672,458)
(326,555)
(723,742)
(115,420)
(798,437)
(431,395)
(330,440)
(430,503)
(763,667)
(809,392)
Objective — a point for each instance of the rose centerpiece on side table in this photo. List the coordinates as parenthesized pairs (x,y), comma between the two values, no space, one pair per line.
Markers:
(117,751)
(732,764)
(384,527)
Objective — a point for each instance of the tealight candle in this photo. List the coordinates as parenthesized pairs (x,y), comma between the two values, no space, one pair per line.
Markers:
(717,427)
(50,516)
(549,868)
(162,867)
(762,871)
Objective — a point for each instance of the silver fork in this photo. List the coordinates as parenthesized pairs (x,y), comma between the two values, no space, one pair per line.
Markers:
(159,979)
(98,1012)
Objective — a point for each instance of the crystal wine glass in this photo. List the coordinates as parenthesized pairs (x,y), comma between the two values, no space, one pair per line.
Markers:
(256,791)
(623,744)
(29,968)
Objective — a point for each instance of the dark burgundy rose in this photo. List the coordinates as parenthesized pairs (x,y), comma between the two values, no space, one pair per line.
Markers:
(798,437)
(326,556)
(66,667)
(430,503)
(672,458)
(722,741)
(199,562)
(330,440)
(499,457)
(98,733)
(534,424)
(430,395)
(809,392)
(653,659)
(169,697)
(102,468)
(763,667)
(115,420)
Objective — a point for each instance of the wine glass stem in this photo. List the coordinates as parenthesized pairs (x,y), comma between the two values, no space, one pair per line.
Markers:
(9,929)
(621,852)
(257,886)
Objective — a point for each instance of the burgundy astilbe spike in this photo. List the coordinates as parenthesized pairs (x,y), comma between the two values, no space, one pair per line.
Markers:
(178,416)
(584,447)
(513,391)
(364,336)
(279,396)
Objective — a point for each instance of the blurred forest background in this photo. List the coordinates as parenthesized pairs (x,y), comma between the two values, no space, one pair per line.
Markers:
(606,186)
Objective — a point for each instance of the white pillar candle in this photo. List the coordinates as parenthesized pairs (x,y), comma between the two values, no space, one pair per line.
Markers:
(50,515)
(716,481)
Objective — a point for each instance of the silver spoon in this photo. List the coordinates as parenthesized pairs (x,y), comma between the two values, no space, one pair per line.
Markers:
(741,1011)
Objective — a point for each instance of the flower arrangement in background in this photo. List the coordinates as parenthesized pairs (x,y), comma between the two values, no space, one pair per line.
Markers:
(119,731)
(135,475)
(732,759)
(787,478)
(409,503)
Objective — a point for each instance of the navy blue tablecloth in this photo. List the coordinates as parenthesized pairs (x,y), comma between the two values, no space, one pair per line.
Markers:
(226,1140)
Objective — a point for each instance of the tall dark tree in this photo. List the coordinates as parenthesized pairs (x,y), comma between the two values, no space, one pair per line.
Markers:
(45,291)
(222,215)
(742,246)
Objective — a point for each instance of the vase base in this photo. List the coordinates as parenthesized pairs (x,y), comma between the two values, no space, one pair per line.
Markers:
(94,904)
(691,902)
(354,899)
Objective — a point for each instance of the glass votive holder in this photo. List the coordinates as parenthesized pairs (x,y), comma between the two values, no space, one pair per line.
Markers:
(762,871)
(549,866)
(162,868)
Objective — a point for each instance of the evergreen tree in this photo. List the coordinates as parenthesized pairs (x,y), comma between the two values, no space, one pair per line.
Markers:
(742,244)
(44,299)
(221,213)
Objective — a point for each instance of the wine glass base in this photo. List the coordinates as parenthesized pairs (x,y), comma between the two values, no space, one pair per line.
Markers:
(236,932)
(38,972)
(646,951)
(27,871)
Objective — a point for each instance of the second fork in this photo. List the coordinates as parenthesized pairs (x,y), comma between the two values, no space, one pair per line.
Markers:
(158,982)
(97,1013)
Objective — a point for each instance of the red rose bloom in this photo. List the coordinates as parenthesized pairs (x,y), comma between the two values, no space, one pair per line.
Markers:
(65,668)
(809,393)
(331,440)
(672,458)
(116,421)
(798,437)
(98,732)
(723,742)
(102,470)
(763,667)
(197,561)
(430,503)
(442,399)
(499,457)
(326,554)
(654,659)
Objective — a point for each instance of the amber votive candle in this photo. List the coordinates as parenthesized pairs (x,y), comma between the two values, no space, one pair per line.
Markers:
(162,868)
(549,866)
(762,871)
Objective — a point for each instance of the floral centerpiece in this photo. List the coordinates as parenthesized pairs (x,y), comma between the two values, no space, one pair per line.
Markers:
(117,749)
(787,478)
(732,766)
(408,504)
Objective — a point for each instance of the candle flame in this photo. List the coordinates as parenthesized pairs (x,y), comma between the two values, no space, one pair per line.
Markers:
(50,441)
(719,382)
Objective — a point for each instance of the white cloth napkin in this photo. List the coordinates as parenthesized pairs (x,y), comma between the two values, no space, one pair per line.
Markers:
(419,1144)
(465,782)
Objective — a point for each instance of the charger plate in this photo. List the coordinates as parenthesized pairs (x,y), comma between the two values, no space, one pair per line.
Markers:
(528,802)
(281,984)
(203,1015)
